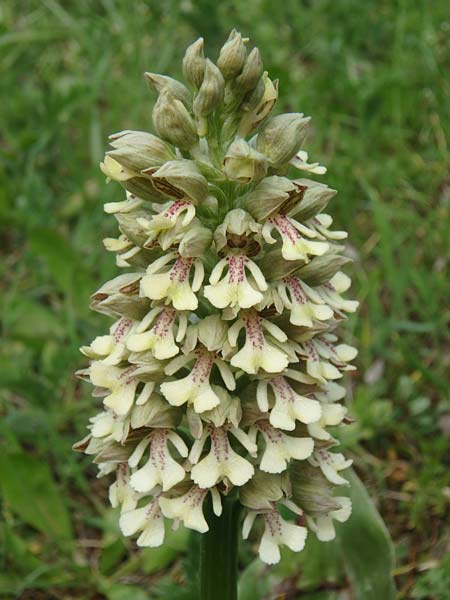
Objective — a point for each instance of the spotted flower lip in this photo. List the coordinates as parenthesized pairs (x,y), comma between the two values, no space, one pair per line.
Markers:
(222,461)
(260,350)
(160,338)
(161,468)
(289,406)
(294,245)
(235,289)
(218,375)
(277,532)
(196,388)
(172,284)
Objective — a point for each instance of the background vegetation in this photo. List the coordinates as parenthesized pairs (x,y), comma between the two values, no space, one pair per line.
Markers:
(375,77)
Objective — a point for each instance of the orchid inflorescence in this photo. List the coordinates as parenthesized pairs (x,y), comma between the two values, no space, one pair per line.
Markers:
(218,375)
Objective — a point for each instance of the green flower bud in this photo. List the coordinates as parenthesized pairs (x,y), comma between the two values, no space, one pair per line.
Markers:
(243,163)
(173,122)
(153,150)
(194,64)
(196,241)
(175,88)
(251,73)
(322,268)
(254,97)
(211,91)
(272,195)
(281,137)
(274,267)
(262,491)
(120,297)
(232,56)
(156,413)
(311,491)
(315,198)
(180,179)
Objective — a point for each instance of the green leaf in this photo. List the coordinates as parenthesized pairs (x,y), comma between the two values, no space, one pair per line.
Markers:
(366,547)
(28,487)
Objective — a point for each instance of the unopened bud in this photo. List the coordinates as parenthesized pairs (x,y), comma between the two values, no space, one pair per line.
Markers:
(315,198)
(272,195)
(232,56)
(194,64)
(281,137)
(322,268)
(154,150)
(251,73)
(274,266)
(243,163)
(196,241)
(120,296)
(262,491)
(311,491)
(175,88)
(173,122)
(179,179)
(211,91)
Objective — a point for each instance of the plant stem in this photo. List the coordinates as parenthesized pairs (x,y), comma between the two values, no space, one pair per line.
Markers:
(219,553)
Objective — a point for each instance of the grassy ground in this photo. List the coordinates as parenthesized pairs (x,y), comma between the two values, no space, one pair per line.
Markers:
(374,76)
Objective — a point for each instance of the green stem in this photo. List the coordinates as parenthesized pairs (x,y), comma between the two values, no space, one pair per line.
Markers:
(219,553)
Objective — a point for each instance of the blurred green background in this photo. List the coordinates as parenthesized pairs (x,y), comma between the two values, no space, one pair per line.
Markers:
(374,76)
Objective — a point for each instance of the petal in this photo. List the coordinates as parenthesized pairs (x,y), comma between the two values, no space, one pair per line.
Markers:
(145,478)
(133,520)
(293,536)
(268,549)
(237,469)
(152,535)
(207,472)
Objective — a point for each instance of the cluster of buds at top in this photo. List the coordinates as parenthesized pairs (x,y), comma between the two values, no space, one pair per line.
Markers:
(219,373)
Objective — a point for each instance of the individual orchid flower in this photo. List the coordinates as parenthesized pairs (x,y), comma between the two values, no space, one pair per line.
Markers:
(196,388)
(294,245)
(303,310)
(277,532)
(222,462)
(266,345)
(323,526)
(148,520)
(331,463)
(108,426)
(112,349)
(120,382)
(320,369)
(120,492)
(280,448)
(161,468)
(188,508)
(156,333)
(236,288)
(321,225)
(172,283)
(331,291)
(300,161)
(165,225)
(289,406)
